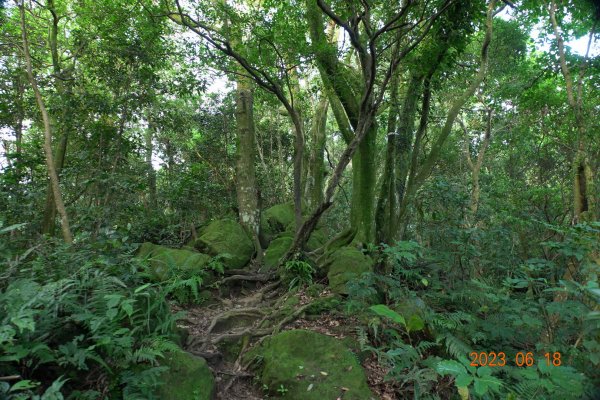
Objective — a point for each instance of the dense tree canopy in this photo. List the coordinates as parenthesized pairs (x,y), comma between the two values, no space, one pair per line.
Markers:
(435,163)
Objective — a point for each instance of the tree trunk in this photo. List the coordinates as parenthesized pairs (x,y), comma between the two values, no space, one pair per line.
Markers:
(386,200)
(246,188)
(400,152)
(362,208)
(48,221)
(475,168)
(316,162)
(149,135)
(584,200)
(417,177)
(50,163)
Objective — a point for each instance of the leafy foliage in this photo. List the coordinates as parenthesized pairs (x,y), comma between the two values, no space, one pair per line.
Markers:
(82,329)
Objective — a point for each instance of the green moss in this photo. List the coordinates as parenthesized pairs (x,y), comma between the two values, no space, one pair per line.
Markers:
(347,263)
(188,378)
(163,260)
(276,250)
(323,305)
(226,237)
(311,366)
(316,240)
(274,220)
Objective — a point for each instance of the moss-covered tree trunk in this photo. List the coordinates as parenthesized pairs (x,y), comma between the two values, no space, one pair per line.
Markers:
(362,209)
(398,160)
(345,91)
(315,161)
(246,188)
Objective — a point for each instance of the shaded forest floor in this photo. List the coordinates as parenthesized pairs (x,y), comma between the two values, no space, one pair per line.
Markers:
(224,328)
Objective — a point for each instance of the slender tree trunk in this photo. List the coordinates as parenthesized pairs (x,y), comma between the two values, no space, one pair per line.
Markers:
(584,200)
(50,163)
(386,199)
(20,112)
(48,221)
(400,150)
(475,167)
(417,178)
(295,113)
(247,191)
(149,136)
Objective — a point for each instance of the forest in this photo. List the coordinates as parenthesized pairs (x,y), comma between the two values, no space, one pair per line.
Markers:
(299,199)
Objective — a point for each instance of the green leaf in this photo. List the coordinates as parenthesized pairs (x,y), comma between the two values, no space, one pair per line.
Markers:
(415,323)
(12,228)
(463,380)
(385,311)
(141,288)
(127,306)
(23,385)
(483,385)
(451,367)
(24,323)
(113,300)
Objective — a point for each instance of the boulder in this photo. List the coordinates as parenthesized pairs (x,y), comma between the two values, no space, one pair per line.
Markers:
(226,236)
(301,364)
(316,240)
(347,263)
(276,250)
(163,260)
(274,221)
(188,378)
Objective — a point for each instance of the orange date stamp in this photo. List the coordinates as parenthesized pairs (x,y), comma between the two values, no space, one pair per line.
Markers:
(521,359)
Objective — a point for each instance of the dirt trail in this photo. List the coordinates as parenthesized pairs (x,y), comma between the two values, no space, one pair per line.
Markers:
(222,329)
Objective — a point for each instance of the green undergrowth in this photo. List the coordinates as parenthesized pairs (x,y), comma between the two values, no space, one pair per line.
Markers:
(80,323)
(428,329)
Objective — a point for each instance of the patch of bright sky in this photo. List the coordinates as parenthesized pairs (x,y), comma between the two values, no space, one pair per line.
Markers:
(542,42)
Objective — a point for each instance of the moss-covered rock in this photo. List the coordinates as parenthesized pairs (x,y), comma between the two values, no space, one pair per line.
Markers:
(188,378)
(310,366)
(347,263)
(316,240)
(163,259)
(226,236)
(276,250)
(274,221)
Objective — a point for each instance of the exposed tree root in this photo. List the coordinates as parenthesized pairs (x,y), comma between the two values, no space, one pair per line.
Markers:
(249,278)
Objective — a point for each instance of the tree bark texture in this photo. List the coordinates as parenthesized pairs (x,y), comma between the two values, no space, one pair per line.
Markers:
(315,161)
(246,188)
(63,123)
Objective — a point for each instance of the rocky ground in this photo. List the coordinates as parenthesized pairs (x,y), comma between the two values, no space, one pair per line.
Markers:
(252,337)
